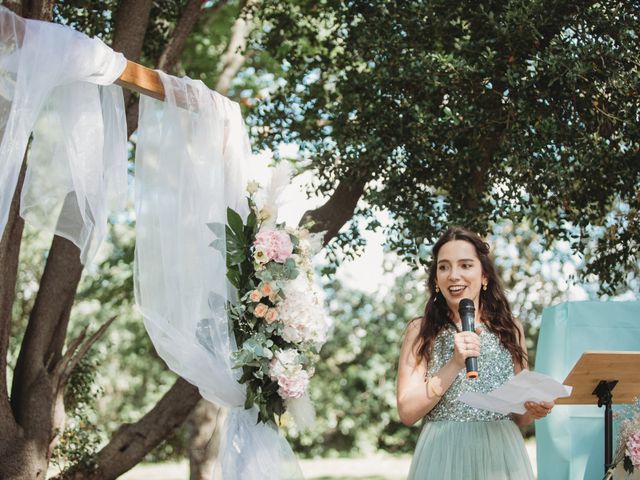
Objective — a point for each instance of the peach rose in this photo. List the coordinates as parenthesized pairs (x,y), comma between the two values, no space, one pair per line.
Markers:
(272,315)
(260,310)
(266,289)
(255,296)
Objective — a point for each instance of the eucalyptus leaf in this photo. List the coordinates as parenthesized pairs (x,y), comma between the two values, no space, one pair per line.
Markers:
(217,228)
(219,244)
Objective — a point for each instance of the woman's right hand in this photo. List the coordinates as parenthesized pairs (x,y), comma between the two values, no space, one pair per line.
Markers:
(465,345)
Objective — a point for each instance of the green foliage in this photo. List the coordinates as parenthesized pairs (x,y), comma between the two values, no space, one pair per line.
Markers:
(92,17)
(353,389)
(202,58)
(469,113)
(79,441)
(131,377)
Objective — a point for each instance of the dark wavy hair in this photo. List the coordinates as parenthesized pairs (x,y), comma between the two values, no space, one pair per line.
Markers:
(494,308)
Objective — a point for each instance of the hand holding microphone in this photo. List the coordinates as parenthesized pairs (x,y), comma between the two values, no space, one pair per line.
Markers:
(467,342)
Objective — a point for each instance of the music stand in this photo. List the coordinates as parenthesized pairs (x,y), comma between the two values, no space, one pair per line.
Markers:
(593,379)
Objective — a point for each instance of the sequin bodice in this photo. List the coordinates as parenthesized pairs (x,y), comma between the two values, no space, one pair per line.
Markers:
(495,367)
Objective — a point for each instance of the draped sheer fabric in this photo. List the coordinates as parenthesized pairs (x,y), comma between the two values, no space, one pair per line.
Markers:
(56,84)
(191,160)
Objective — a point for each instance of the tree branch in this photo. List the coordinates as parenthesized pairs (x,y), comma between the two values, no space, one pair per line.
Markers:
(175,46)
(132,442)
(338,210)
(9,255)
(234,56)
(44,338)
(76,351)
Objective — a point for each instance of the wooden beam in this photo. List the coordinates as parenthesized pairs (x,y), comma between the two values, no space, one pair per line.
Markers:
(142,80)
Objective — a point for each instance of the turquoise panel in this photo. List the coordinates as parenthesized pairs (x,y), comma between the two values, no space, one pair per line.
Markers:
(570,441)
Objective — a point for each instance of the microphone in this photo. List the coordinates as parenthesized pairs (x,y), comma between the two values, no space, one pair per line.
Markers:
(467,312)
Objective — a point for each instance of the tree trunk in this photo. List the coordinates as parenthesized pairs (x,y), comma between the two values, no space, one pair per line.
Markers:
(9,253)
(130,27)
(204,426)
(22,457)
(23,460)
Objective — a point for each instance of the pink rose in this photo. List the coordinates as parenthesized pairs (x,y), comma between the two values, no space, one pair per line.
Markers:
(271,315)
(260,310)
(276,243)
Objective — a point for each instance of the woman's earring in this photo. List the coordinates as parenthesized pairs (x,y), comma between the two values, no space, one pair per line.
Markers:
(435,298)
(437,290)
(485,286)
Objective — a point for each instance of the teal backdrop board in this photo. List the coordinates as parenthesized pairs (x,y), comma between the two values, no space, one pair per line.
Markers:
(570,441)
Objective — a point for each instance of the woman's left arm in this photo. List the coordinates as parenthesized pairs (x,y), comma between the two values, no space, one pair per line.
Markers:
(535,410)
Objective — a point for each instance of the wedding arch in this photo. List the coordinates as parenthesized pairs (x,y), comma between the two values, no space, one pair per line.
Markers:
(252,448)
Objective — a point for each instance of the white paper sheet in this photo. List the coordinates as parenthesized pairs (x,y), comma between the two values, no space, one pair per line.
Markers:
(510,397)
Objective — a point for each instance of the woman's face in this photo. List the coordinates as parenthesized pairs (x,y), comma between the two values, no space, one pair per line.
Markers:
(459,274)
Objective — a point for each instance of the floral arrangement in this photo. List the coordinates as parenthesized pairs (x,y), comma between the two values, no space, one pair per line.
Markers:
(628,450)
(278,320)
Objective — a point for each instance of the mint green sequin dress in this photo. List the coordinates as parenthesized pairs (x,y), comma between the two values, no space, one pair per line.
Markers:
(459,442)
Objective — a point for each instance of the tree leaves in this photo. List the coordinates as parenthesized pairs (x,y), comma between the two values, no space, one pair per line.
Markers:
(468,114)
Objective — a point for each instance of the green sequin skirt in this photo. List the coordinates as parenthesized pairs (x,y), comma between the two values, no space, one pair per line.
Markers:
(491,450)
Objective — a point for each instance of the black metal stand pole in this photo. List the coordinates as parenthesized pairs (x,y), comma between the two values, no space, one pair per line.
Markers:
(604,393)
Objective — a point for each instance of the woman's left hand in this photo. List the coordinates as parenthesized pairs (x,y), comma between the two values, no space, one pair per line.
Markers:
(538,410)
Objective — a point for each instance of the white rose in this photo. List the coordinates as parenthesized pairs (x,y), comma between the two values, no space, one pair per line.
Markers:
(252,187)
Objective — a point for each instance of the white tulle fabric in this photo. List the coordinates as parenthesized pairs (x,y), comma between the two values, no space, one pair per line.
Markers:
(55,83)
(192,157)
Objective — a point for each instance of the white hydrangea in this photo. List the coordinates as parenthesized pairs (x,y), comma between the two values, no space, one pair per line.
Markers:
(302,314)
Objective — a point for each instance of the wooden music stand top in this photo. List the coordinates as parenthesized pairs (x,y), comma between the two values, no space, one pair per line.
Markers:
(592,367)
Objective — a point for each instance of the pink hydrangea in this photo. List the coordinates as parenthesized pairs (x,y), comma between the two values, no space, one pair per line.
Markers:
(288,372)
(276,243)
(294,386)
(633,449)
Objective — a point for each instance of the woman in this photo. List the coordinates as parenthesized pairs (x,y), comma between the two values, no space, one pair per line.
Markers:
(459,441)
